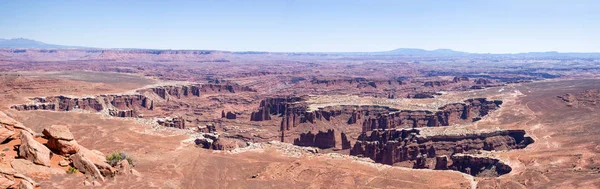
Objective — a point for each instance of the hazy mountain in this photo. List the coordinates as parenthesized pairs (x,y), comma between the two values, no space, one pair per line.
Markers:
(28,43)
(423,52)
(411,52)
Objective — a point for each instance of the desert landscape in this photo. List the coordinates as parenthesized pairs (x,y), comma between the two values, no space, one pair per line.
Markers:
(219,119)
(286,94)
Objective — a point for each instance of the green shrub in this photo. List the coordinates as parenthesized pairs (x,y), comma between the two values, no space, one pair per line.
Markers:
(72,170)
(115,157)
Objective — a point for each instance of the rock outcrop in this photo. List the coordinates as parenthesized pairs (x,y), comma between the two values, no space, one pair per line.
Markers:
(320,140)
(33,150)
(357,82)
(273,106)
(86,166)
(117,105)
(345,142)
(128,102)
(469,111)
(228,115)
(61,140)
(372,117)
(441,163)
(460,79)
(588,97)
(183,91)
(175,122)
(209,141)
(67,103)
(436,83)
(216,142)
(208,128)
(483,81)
(399,145)
(6,133)
(479,166)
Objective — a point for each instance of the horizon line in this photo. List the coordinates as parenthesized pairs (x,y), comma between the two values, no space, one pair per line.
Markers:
(262,51)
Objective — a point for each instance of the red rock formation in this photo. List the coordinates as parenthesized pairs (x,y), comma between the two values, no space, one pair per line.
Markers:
(68,104)
(119,105)
(436,83)
(355,82)
(345,142)
(128,102)
(230,115)
(392,146)
(180,91)
(321,139)
(37,106)
(460,79)
(483,81)
(588,97)
(61,140)
(208,128)
(272,106)
(441,163)
(422,95)
(123,113)
(175,122)
(479,166)
(471,110)
(420,163)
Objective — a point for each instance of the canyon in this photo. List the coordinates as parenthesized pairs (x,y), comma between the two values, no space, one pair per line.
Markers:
(300,120)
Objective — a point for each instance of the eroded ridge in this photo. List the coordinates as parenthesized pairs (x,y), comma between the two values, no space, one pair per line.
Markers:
(344,123)
(587,97)
(294,111)
(456,151)
(129,105)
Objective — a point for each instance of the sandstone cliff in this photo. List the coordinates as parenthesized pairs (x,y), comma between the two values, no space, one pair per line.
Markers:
(400,145)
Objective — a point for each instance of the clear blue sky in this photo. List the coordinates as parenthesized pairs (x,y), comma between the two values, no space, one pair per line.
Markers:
(496,26)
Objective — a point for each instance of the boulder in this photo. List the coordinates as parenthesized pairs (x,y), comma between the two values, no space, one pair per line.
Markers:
(85,165)
(63,163)
(5,134)
(123,167)
(63,147)
(59,132)
(98,159)
(33,150)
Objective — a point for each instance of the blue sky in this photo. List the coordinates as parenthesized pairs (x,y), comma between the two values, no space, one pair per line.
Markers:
(496,26)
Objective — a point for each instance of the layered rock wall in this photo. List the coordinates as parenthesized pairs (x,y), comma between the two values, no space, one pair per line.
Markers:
(182,91)
(400,145)
(469,111)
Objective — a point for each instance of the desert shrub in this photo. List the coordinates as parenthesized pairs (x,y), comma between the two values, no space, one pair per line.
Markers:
(115,157)
(72,170)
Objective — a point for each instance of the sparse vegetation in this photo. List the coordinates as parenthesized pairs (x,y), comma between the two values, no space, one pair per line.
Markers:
(115,157)
(72,170)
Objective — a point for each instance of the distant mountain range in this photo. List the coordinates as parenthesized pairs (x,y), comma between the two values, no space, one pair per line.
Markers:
(28,43)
